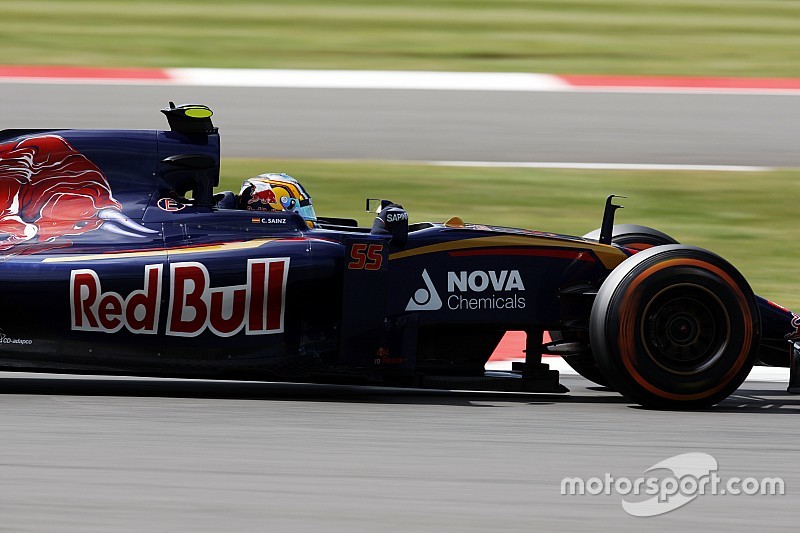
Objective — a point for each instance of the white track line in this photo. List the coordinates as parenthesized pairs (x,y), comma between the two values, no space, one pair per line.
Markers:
(598,166)
(376,79)
(427,80)
(759,373)
(369,79)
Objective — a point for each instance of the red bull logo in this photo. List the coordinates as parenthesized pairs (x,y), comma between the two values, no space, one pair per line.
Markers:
(257,307)
(49,190)
(266,196)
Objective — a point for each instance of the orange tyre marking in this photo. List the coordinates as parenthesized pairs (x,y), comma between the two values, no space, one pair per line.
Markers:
(627,328)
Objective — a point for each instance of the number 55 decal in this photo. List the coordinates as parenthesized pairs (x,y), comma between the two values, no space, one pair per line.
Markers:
(366,257)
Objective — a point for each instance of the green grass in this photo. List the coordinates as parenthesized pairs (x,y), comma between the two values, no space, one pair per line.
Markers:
(687,37)
(748,218)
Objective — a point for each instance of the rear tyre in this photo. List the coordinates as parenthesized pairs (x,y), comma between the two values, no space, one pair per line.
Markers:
(675,327)
(631,236)
(634,236)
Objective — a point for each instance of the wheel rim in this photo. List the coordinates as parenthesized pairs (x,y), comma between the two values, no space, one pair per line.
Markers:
(685,329)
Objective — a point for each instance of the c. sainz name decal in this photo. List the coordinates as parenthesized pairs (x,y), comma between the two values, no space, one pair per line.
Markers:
(257,307)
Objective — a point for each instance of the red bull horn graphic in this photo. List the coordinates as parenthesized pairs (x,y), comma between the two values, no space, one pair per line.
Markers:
(49,190)
(257,307)
(266,196)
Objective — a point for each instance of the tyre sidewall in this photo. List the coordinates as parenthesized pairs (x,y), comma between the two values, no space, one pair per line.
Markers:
(621,336)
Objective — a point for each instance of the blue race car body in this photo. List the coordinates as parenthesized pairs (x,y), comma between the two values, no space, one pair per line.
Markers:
(107,267)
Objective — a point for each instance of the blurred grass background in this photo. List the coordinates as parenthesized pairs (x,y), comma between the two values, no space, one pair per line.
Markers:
(677,37)
(747,217)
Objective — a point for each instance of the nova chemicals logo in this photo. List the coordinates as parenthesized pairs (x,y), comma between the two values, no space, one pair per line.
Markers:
(425,299)
(471,291)
(492,289)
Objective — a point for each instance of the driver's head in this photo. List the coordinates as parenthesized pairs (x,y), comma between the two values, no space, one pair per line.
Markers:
(277,192)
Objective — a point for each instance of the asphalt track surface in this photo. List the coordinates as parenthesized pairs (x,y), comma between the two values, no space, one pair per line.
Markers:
(125,454)
(591,127)
(102,454)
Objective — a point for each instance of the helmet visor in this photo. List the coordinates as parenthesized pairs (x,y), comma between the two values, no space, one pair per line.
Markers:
(306,210)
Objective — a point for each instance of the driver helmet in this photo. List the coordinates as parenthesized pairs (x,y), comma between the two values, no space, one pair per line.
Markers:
(277,192)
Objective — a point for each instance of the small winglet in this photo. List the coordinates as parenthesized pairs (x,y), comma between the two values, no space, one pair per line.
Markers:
(607,228)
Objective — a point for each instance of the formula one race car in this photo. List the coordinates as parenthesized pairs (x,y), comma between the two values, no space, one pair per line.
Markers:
(117,257)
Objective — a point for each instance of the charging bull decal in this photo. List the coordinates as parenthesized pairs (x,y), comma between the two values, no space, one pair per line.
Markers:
(49,190)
